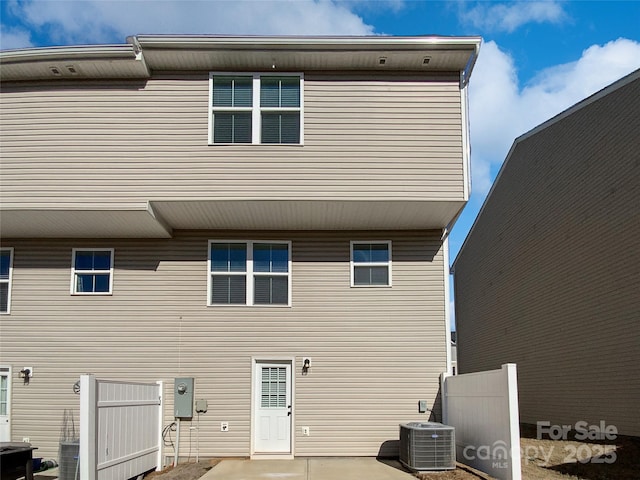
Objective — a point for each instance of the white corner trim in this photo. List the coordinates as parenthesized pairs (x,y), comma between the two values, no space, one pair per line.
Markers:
(447,299)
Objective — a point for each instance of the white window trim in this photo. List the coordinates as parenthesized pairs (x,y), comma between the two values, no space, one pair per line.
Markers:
(249,274)
(73,270)
(8,281)
(352,264)
(256,109)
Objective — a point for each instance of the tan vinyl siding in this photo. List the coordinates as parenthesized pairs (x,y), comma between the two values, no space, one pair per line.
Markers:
(376,351)
(118,142)
(549,277)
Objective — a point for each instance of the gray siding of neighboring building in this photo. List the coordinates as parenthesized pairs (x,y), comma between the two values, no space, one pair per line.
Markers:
(376,351)
(119,143)
(549,276)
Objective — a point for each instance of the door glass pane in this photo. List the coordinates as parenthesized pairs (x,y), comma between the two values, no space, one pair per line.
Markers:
(274,387)
(3,394)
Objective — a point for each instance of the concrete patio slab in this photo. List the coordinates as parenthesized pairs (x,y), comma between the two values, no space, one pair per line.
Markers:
(356,468)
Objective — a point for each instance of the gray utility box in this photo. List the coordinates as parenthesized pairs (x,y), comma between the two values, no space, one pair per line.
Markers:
(183,397)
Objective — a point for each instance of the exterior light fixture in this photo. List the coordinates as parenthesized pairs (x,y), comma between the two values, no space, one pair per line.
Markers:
(306,364)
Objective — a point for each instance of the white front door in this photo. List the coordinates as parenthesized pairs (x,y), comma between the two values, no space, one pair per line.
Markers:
(5,404)
(272,407)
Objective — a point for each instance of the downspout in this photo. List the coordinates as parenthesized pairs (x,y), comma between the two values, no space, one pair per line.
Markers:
(466,168)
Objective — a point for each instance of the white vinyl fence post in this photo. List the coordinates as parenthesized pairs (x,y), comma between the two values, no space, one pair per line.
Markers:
(88,419)
(160,462)
(511,382)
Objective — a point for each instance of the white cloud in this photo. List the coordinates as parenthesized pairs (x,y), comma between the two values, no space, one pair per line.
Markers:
(503,17)
(14,38)
(108,21)
(500,110)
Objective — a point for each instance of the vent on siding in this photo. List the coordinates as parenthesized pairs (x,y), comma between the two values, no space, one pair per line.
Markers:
(427,446)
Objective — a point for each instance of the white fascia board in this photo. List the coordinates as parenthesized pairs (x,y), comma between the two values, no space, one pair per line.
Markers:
(305,42)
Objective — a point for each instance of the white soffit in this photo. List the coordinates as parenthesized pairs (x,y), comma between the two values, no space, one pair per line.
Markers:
(305,214)
(50,223)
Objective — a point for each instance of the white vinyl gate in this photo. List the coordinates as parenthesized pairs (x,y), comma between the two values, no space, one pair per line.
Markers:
(120,428)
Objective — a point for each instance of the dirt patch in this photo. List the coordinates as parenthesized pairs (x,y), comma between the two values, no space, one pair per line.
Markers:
(184,471)
(462,472)
(617,459)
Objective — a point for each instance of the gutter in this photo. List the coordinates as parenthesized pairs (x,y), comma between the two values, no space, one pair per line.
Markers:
(309,42)
(82,52)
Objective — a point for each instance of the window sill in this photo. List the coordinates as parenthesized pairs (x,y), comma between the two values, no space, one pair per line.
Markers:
(222,305)
(92,294)
(255,144)
(371,286)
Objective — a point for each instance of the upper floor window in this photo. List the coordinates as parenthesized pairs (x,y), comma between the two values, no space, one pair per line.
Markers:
(6,270)
(256,108)
(92,271)
(371,263)
(249,273)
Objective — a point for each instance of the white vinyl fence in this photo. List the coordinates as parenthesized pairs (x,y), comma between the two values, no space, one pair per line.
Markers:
(120,428)
(483,408)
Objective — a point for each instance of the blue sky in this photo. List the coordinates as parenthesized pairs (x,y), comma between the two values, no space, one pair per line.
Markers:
(537,58)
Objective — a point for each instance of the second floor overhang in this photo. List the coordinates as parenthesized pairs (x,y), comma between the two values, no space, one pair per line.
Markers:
(160,218)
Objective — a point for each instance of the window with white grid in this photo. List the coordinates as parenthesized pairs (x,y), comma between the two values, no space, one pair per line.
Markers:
(258,108)
(249,273)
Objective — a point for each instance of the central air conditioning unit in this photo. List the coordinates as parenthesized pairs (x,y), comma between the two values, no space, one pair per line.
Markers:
(427,446)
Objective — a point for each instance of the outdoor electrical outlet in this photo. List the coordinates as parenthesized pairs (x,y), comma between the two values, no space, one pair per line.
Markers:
(26,439)
(224,426)
(305,431)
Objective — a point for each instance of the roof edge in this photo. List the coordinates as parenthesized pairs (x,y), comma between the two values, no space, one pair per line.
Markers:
(123,51)
(304,42)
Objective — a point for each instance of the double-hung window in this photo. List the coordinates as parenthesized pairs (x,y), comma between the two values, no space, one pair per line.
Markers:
(92,271)
(256,108)
(371,263)
(6,270)
(249,273)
